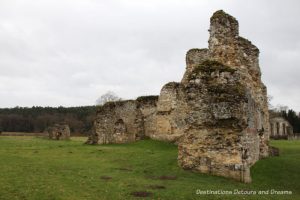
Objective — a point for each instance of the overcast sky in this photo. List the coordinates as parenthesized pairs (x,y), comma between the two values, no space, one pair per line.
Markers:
(69,52)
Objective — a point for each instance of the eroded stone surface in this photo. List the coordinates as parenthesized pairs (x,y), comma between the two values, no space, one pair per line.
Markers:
(228,121)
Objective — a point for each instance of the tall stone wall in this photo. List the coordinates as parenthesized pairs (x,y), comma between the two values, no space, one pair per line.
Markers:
(218,113)
(228,122)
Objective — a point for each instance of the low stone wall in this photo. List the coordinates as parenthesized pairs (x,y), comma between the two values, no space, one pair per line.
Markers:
(124,121)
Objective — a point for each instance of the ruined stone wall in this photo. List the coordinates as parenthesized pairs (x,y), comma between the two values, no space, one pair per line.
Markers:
(280,128)
(59,132)
(116,123)
(227,47)
(218,114)
(148,108)
(171,113)
(124,121)
(216,141)
(192,59)
(228,122)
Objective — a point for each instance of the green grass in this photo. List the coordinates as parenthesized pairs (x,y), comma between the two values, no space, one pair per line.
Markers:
(36,168)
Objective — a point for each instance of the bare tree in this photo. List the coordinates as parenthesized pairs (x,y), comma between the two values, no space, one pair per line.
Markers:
(107,97)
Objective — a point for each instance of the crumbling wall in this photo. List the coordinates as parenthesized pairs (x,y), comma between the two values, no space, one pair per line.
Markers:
(116,123)
(171,113)
(192,59)
(124,121)
(218,114)
(59,132)
(147,106)
(227,125)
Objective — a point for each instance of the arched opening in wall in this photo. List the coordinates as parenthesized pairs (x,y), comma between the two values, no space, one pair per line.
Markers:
(284,128)
(120,127)
(277,128)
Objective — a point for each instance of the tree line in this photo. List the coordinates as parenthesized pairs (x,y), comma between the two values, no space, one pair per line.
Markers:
(37,119)
(80,119)
(292,117)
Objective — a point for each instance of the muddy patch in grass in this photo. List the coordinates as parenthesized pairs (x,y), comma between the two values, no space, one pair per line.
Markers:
(106,177)
(156,187)
(167,177)
(162,177)
(125,169)
(141,194)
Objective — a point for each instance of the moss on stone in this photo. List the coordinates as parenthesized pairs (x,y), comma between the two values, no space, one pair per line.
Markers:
(145,99)
(209,66)
(171,85)
(222,93)
(111,105)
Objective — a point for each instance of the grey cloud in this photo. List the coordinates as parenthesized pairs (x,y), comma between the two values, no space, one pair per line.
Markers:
(69,52)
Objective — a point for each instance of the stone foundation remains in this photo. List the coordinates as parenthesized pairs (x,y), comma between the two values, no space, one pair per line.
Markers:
(218,114)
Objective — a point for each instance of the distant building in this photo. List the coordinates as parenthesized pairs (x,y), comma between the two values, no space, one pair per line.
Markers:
(280,128)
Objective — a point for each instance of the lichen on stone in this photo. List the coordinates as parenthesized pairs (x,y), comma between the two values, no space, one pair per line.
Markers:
(145,99)
(209,66)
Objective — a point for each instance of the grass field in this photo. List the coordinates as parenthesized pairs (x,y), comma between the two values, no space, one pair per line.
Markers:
(37,168)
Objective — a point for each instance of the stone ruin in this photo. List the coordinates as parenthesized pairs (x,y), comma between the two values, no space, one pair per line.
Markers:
(59,132)
(125,121)
(280,128)
(218,113)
